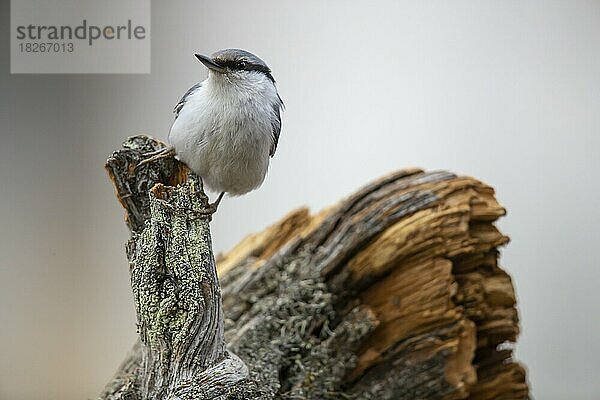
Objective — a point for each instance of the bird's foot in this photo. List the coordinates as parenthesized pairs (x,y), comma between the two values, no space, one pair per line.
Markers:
(212,207)
(157,155)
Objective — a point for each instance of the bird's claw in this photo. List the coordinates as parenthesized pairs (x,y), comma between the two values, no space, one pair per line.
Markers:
(156,155)
(212,207)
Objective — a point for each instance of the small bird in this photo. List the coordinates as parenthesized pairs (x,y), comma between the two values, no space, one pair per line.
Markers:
(227,127)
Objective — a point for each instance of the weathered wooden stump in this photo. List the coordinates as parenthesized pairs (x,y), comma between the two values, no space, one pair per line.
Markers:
(394,293)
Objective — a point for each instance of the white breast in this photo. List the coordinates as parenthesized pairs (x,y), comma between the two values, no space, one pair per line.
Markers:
(224,131)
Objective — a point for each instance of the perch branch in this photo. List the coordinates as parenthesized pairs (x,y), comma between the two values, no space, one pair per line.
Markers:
(174,282)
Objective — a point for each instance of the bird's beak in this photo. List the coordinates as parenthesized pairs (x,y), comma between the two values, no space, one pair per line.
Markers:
(210,63)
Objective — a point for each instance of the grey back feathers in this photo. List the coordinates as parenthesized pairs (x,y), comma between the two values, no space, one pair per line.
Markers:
(181,102)
(276,125)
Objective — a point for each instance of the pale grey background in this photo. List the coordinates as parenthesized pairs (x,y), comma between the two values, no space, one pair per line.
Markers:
(508,92)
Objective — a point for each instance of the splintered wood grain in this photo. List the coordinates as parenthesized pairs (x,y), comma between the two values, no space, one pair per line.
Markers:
(419,249)
(486,293)
(498,377)
(404,312)
(444,229)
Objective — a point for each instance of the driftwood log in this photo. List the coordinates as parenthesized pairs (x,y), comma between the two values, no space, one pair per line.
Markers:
(393,293)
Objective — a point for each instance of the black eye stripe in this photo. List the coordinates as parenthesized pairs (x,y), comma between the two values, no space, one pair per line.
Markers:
(247,65)
(244,65)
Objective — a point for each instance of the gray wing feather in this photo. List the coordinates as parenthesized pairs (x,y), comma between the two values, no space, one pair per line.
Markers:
(181,102)
(276,125)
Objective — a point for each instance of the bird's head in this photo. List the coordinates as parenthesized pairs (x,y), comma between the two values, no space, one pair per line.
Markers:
(236,65)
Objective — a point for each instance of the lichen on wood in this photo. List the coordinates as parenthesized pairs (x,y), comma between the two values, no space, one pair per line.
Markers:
(393,293)
(175,288)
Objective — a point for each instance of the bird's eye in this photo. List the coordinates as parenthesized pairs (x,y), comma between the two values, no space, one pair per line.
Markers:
(242,64)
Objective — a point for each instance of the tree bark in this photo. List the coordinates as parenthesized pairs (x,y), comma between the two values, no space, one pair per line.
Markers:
(393,293)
